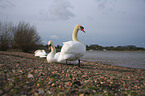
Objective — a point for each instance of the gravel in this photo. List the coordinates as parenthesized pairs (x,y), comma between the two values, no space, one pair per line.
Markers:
(23,74)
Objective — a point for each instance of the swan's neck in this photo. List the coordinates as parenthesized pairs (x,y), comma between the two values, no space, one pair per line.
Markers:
(74,35)
(53,50)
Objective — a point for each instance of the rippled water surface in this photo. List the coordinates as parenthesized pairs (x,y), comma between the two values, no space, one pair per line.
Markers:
(133,59)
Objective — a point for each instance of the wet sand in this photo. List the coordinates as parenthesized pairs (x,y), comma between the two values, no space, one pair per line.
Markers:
(23,74)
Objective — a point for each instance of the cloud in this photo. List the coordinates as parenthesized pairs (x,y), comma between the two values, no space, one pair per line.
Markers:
(60,10)
(53,37)
(104,4)
(43,42)
(6,4)
(44,10)
(101,6)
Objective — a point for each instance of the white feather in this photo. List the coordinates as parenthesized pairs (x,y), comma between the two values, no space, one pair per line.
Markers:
(40,53)
(72,50)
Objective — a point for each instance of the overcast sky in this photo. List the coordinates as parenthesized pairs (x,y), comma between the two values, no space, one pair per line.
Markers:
(106,22)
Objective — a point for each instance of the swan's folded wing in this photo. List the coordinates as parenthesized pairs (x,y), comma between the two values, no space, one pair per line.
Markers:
(40,53)
(37,53)
(73,47)
(72,50)
(43,56)
(44,53)
(56,57)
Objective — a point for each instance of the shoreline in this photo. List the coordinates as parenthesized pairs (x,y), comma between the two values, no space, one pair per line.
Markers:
(125,59)
(108,63)
(24,74)
(120,50)
(31,56)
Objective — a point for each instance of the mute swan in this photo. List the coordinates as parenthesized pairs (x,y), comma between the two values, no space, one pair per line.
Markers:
(40,53)
(73,50)
(52,56)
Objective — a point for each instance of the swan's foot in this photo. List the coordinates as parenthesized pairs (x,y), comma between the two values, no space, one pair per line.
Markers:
(79,63)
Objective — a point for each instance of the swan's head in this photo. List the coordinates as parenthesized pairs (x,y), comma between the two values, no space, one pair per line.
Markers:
(80,27)
(50,43)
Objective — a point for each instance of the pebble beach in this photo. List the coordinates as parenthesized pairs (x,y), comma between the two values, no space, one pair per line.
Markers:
(23,74)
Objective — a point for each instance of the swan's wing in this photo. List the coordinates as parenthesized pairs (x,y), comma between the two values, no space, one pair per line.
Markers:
(74,47)
(37,52)
(43,56)
(40,53)
(59,58)
(50,57)
(44,53)
(72,50)
(56,56)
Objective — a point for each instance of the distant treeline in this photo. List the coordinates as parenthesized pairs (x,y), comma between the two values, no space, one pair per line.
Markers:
(108,48)
(118,48)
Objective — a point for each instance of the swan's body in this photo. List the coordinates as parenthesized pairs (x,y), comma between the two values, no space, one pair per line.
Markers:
(73,50)
(40,53)
(52,56)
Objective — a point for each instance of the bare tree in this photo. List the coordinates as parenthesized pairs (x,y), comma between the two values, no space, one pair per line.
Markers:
(5,35)
(25,37)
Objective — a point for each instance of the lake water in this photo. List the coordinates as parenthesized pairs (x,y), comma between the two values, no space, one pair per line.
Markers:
(133,59)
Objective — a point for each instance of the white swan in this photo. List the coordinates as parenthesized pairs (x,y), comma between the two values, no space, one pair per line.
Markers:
(73,50)
(52,56)
(40,53)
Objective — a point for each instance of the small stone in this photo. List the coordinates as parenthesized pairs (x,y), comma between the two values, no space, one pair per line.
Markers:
(36,94)
(13,71)
(25,95)
(1,92)
(20,71)
(30,76)
(49,92)
(81,95)
(77,83)
(31,83)
(53,85)
(70,84)
(94,91)
(40,91)
(102,82)
(66,83)
(38,85)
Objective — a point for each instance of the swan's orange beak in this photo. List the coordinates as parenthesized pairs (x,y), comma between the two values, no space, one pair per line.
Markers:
(82,30)
(49,47)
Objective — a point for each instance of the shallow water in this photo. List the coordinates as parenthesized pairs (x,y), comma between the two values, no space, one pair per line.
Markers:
(133,59)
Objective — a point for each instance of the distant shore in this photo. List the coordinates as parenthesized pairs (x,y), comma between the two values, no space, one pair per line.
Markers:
(23,74)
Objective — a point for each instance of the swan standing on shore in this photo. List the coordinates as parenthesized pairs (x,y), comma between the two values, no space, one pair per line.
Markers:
(52,56)
(73,50)
(40,53)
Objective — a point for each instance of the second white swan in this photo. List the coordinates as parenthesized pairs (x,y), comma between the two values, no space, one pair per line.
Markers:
(52,56)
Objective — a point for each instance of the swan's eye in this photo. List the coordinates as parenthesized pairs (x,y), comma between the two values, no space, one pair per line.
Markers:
(81,27)
(49,45)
